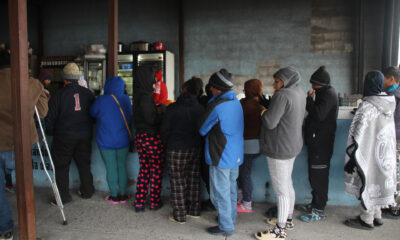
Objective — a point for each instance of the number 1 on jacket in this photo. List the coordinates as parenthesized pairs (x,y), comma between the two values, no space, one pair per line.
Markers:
(77,102)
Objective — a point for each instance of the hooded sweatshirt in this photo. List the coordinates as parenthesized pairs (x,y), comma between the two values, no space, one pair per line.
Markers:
(160,93)
(281,131)
(147,118)
(111,131)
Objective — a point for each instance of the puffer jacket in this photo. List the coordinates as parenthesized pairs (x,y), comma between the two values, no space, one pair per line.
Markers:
(37,97)
(223,125)
(111,131)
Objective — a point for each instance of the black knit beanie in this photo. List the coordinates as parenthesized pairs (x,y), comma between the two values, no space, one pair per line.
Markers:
(221,80)
(321,77)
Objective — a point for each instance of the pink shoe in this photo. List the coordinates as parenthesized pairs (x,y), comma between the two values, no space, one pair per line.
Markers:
(243,209)
(112,200)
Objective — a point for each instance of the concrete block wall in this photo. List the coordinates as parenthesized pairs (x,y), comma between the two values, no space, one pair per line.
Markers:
(253,39)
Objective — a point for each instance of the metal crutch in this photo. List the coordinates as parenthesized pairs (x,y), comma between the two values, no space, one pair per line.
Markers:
(52,178)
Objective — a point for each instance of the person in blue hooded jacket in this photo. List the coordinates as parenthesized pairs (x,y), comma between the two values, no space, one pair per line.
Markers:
(223,126)
(112,135)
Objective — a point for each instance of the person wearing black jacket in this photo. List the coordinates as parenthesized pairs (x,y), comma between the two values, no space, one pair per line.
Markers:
(70,124)
(148,141)
(184,152)
(320,127)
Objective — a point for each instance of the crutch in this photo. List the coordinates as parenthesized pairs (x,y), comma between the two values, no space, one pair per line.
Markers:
(52,178)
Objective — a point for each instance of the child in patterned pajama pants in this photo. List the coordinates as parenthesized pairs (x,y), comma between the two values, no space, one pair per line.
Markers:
(151,157)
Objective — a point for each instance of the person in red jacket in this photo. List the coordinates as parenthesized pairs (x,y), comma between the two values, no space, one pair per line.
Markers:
(160,93)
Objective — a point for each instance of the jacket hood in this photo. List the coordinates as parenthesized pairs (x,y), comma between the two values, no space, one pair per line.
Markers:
(158,75)
(114,85)
(384,103)
(289,76)
(145,79)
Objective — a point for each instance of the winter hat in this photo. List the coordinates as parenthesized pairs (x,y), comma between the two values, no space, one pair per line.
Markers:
(45,74)
(288,75)
(194,86)
(4,58)
(221,80)
(320,77)
(373,83)
(252,88)
(71,72)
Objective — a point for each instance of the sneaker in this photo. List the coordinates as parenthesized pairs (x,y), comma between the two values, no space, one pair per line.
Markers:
(173,219)
(7,235)
(315,215)
(123,198)
(391,213)
(289,223)
(242,208)
(358,224)
(272,234)
(239,196)
(304,207)
(9,189)
(378,222)
(193,216)
(216,231)
(111,199)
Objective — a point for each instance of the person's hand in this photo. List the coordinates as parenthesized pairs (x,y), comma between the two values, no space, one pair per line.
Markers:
(311,93)
(263,101)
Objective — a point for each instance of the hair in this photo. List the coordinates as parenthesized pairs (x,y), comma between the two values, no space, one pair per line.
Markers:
(194,86)
(392,72)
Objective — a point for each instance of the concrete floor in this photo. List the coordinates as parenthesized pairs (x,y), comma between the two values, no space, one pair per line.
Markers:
(96,219)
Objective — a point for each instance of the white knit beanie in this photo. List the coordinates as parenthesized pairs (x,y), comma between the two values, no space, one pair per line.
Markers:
(71,72)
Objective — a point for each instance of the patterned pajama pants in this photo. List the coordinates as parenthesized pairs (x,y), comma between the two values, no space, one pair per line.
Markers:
(184,174)
(151,157)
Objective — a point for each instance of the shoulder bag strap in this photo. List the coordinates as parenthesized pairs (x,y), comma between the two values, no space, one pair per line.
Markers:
(123,115)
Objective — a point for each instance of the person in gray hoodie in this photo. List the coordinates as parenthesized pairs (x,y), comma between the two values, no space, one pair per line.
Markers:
(281,141)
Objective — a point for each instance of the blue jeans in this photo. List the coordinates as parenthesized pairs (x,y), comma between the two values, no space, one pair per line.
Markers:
(223,194)
(7,164)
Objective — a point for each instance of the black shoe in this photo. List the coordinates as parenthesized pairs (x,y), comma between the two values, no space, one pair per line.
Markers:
(271,212)
(84,196)
(7,235)
(139,209)
(154,208)
(359,224)
(390,213)
(378,222)
(216,231)
(64,202)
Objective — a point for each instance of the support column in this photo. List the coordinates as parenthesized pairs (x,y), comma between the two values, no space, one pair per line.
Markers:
(20,100)
(112,61)
(181,45)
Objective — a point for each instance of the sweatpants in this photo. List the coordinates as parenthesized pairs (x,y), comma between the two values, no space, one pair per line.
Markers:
(319,159)
(184,176)
(244,179)
(280,171)
(369,215)
(63,150)
(117,177)
(151,158)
